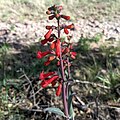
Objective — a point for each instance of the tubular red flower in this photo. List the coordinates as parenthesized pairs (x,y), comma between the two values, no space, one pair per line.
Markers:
(51,17)
(66,30)
(44,41)
(48,27)
(47,62)
(45,75)
(45,83)
(51,39)
(70,26)
(66,50)
(58,91)
(48,34)
(53,44)
(53,83)
(42,54)
(47,40)
(58,48)
(73,54)
(65,17)
(51,58)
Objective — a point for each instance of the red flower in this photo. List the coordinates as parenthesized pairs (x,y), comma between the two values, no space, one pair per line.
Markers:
(65,17)
(42,54)
(53,44)
(49,60)
(73,54)
(45,83)
(45,75)
(47,40)
(58,92)
(48,34)
(58,48)
(66,30)
(51,17)
(66,50)
(47,63)
(70,26)
(44,41)
(48,27)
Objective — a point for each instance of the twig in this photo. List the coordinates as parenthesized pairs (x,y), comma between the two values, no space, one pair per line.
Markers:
(32,110)
(92,83)
(34,99)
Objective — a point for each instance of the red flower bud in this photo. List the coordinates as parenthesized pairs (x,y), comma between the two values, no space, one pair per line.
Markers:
(65,17)
(48,27)
(48,34)
(58,91)
(48,12)
(66,31)
(73,54)
(51,17)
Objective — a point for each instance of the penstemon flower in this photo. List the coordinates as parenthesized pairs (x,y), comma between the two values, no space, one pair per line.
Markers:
(62,52)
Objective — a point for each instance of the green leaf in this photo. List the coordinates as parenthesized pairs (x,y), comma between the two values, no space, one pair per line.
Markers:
(70,106)
(55,110)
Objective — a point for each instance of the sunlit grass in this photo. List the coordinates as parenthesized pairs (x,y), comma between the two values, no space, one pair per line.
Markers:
(31,9)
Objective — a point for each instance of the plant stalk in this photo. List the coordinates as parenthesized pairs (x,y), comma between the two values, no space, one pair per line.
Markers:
(64,95)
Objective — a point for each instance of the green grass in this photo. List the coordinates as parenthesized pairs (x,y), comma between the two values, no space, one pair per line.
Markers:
(35,9)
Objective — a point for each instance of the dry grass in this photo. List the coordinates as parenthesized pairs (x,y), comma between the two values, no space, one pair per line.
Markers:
(35,9)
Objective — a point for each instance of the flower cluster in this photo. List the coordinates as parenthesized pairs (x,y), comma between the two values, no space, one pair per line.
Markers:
(58,50)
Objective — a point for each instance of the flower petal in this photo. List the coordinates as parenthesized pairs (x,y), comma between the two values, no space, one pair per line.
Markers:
(52,46)
(73,54)
(58,48)
(65,17)
(58,91)
(51,17)
(45,75)
(47,82)
(66,30)
(47,35)
(42,54)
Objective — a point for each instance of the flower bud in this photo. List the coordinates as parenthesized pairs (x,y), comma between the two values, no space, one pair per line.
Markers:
(66,31)
(48,34)
(51,17)
(65,17)
(58,92)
